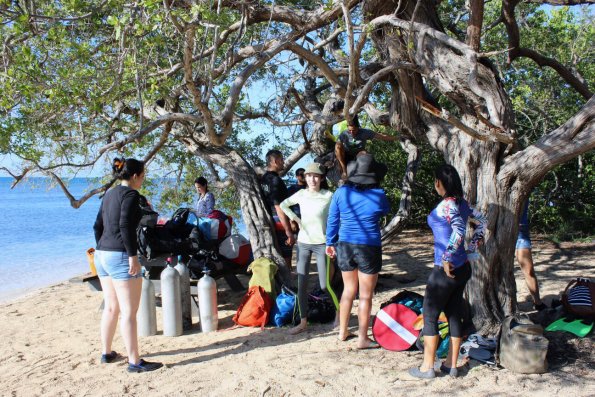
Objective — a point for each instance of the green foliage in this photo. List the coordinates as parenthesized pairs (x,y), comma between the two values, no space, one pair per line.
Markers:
(70,86)
(563,204)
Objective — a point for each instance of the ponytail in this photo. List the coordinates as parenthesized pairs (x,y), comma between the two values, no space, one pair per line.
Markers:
(124,169)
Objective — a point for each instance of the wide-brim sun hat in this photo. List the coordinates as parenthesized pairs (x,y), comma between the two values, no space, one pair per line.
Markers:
(313,168)
(364,170)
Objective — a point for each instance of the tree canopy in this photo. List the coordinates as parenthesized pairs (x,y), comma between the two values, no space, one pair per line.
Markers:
(502,90)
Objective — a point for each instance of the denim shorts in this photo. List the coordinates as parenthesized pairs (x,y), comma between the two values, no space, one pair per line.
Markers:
(113,264)
(523,240)
(365,258)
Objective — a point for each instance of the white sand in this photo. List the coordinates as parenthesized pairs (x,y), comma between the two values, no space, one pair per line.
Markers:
(50,346)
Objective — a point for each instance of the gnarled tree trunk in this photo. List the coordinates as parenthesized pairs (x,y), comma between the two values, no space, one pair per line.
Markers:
(492,288)
(259,224)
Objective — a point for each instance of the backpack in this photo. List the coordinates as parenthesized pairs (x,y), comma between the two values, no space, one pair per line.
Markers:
(522,346)
(149,216)
(178,225)
(285,308)
(255,308)
(321,308)
(579,298)
(410,299)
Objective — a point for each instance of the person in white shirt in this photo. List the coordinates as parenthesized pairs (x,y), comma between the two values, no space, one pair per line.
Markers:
(314,205)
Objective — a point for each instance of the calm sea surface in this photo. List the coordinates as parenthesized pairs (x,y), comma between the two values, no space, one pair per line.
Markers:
(42,239)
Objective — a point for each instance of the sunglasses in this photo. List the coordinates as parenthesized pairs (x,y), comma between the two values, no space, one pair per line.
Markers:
(300,174)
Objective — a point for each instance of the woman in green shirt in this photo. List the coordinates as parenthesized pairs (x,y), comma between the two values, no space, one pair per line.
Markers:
(314,204)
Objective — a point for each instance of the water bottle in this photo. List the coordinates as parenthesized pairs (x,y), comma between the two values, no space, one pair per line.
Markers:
(182,269)
(207,302)
(146,317)
(171,303)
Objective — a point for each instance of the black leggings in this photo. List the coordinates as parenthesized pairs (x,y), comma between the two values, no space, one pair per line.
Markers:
(445,294)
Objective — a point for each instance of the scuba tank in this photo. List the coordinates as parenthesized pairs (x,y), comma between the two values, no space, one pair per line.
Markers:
(207,302)
(170,300)
(182,269)
(146,316)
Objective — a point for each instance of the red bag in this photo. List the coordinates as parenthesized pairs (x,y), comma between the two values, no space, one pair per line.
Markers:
(237,249)
(220,225)
(254,309)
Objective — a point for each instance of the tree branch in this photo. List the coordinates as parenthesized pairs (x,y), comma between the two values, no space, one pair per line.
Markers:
(574,137)
(516,51)
(320,63)
(76,203)
(170,117)
(475,24)
(561,2)
(413,160)
(202,107)
(369,86)
(443,114)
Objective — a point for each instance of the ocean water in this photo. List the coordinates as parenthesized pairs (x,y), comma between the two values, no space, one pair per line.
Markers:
(42,239)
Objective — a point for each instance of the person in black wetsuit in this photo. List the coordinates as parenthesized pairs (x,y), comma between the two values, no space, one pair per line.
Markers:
(274,192)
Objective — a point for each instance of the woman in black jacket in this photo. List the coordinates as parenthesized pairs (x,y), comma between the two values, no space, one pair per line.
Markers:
(117,262)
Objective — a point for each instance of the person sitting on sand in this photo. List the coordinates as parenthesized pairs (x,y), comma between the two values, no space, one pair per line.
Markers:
(452,270)
(314,204)
(353,235)
(117,262)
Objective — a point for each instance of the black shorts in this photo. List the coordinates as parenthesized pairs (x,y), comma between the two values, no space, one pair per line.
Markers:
(286,250)
(365,258)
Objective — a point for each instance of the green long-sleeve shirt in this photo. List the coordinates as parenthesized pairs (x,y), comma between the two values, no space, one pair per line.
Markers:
(314,211)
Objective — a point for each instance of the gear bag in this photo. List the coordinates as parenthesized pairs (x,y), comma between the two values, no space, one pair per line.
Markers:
(255,308)
(579,298)
(522,346)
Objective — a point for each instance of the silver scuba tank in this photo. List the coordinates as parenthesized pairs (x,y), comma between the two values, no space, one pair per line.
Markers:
(207,302)
(171,303)
(185,294)
(146,316)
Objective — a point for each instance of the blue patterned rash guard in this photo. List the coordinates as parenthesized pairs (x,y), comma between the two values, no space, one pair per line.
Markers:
(448,222)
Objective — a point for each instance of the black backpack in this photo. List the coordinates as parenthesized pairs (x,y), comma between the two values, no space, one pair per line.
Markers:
(321,308)
(178,224)
(149,216)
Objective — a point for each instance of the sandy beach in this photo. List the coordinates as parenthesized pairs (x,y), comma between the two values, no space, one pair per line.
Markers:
(51,347)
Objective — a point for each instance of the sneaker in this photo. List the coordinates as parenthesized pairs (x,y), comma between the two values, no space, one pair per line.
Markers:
(143,366)
(109,357)
(417,373)
(449,371)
